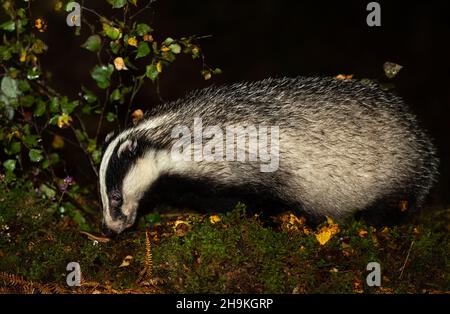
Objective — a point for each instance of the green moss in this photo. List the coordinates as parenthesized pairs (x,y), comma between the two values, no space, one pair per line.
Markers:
(235,255)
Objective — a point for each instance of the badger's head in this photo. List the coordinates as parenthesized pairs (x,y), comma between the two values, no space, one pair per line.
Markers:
(127,170)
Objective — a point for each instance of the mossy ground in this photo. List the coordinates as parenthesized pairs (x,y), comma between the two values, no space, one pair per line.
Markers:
(230,253)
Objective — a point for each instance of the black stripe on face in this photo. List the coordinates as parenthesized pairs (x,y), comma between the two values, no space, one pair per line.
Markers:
(116,171)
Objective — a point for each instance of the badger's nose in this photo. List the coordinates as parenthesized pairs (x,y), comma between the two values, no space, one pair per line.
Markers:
(108,232)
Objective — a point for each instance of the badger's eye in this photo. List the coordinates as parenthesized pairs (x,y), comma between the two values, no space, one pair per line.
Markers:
(116,199)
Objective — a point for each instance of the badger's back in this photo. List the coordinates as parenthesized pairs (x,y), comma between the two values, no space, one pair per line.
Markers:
(344,146)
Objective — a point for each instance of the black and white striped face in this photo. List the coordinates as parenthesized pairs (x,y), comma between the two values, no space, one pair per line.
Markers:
(124,179)
(117,160)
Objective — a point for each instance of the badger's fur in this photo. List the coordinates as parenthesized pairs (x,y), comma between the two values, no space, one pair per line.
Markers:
(344,147)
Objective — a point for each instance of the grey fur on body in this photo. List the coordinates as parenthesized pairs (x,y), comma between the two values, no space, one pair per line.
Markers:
(344,146)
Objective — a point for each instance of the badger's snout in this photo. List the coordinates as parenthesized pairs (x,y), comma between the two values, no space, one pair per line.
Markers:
(110,233)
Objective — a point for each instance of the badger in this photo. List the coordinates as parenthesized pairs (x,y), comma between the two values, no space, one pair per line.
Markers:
(340,148)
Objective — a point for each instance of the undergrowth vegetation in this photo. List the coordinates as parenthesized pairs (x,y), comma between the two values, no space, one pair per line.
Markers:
(230,253)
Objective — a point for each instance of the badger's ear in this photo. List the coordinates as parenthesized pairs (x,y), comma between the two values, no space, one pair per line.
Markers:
(108,140)
(110,136)
(128,148)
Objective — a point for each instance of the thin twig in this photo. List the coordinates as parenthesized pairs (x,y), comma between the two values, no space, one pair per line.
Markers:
(406,260)
(147,6)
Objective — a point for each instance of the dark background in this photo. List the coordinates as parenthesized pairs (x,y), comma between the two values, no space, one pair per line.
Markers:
(252,40)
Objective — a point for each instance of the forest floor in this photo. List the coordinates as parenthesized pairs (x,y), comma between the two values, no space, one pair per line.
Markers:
(228,253)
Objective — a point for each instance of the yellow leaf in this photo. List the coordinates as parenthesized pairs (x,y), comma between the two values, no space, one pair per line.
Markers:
(58,142)
(40,24)
(362,233)
(159,67)
(132,41)
(126,261)
(214,219)
(327,232)
(165,49)
(120,64)
(357,287)
(64,120)
(324,236)
(23,55)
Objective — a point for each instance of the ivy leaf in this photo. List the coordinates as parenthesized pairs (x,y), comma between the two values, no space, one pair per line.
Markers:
(35,155)
(102,75)
(142,29)
(9,87)
(10,165)
(9,26)
(93,43)
(143,50)
(151,72)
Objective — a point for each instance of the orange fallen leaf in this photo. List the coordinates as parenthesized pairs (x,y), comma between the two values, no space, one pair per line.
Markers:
(126,261)
(214,219)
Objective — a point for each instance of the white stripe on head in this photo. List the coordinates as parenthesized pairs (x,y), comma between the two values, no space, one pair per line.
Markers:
(104,166)
(146,125)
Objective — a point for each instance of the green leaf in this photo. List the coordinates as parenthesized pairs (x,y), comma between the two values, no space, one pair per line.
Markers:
(143,50)
(115,46)
(33,73)
(31,140)
(9,87)
(110,117)
(47,191)
(54,159)
(151,72)
(168,41)
(97,156)
(115,95)
(68,107)
(24,86)
(9,26)
(40,108)
(142,29)
(39,47)
(10,165)
(153,218)
(175,48)
(217,71)
(54,104)
(117,4)
(89,96)
(102,75)
(27,101)
(93,43)
(35,155)
(112,32)
(14,148)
